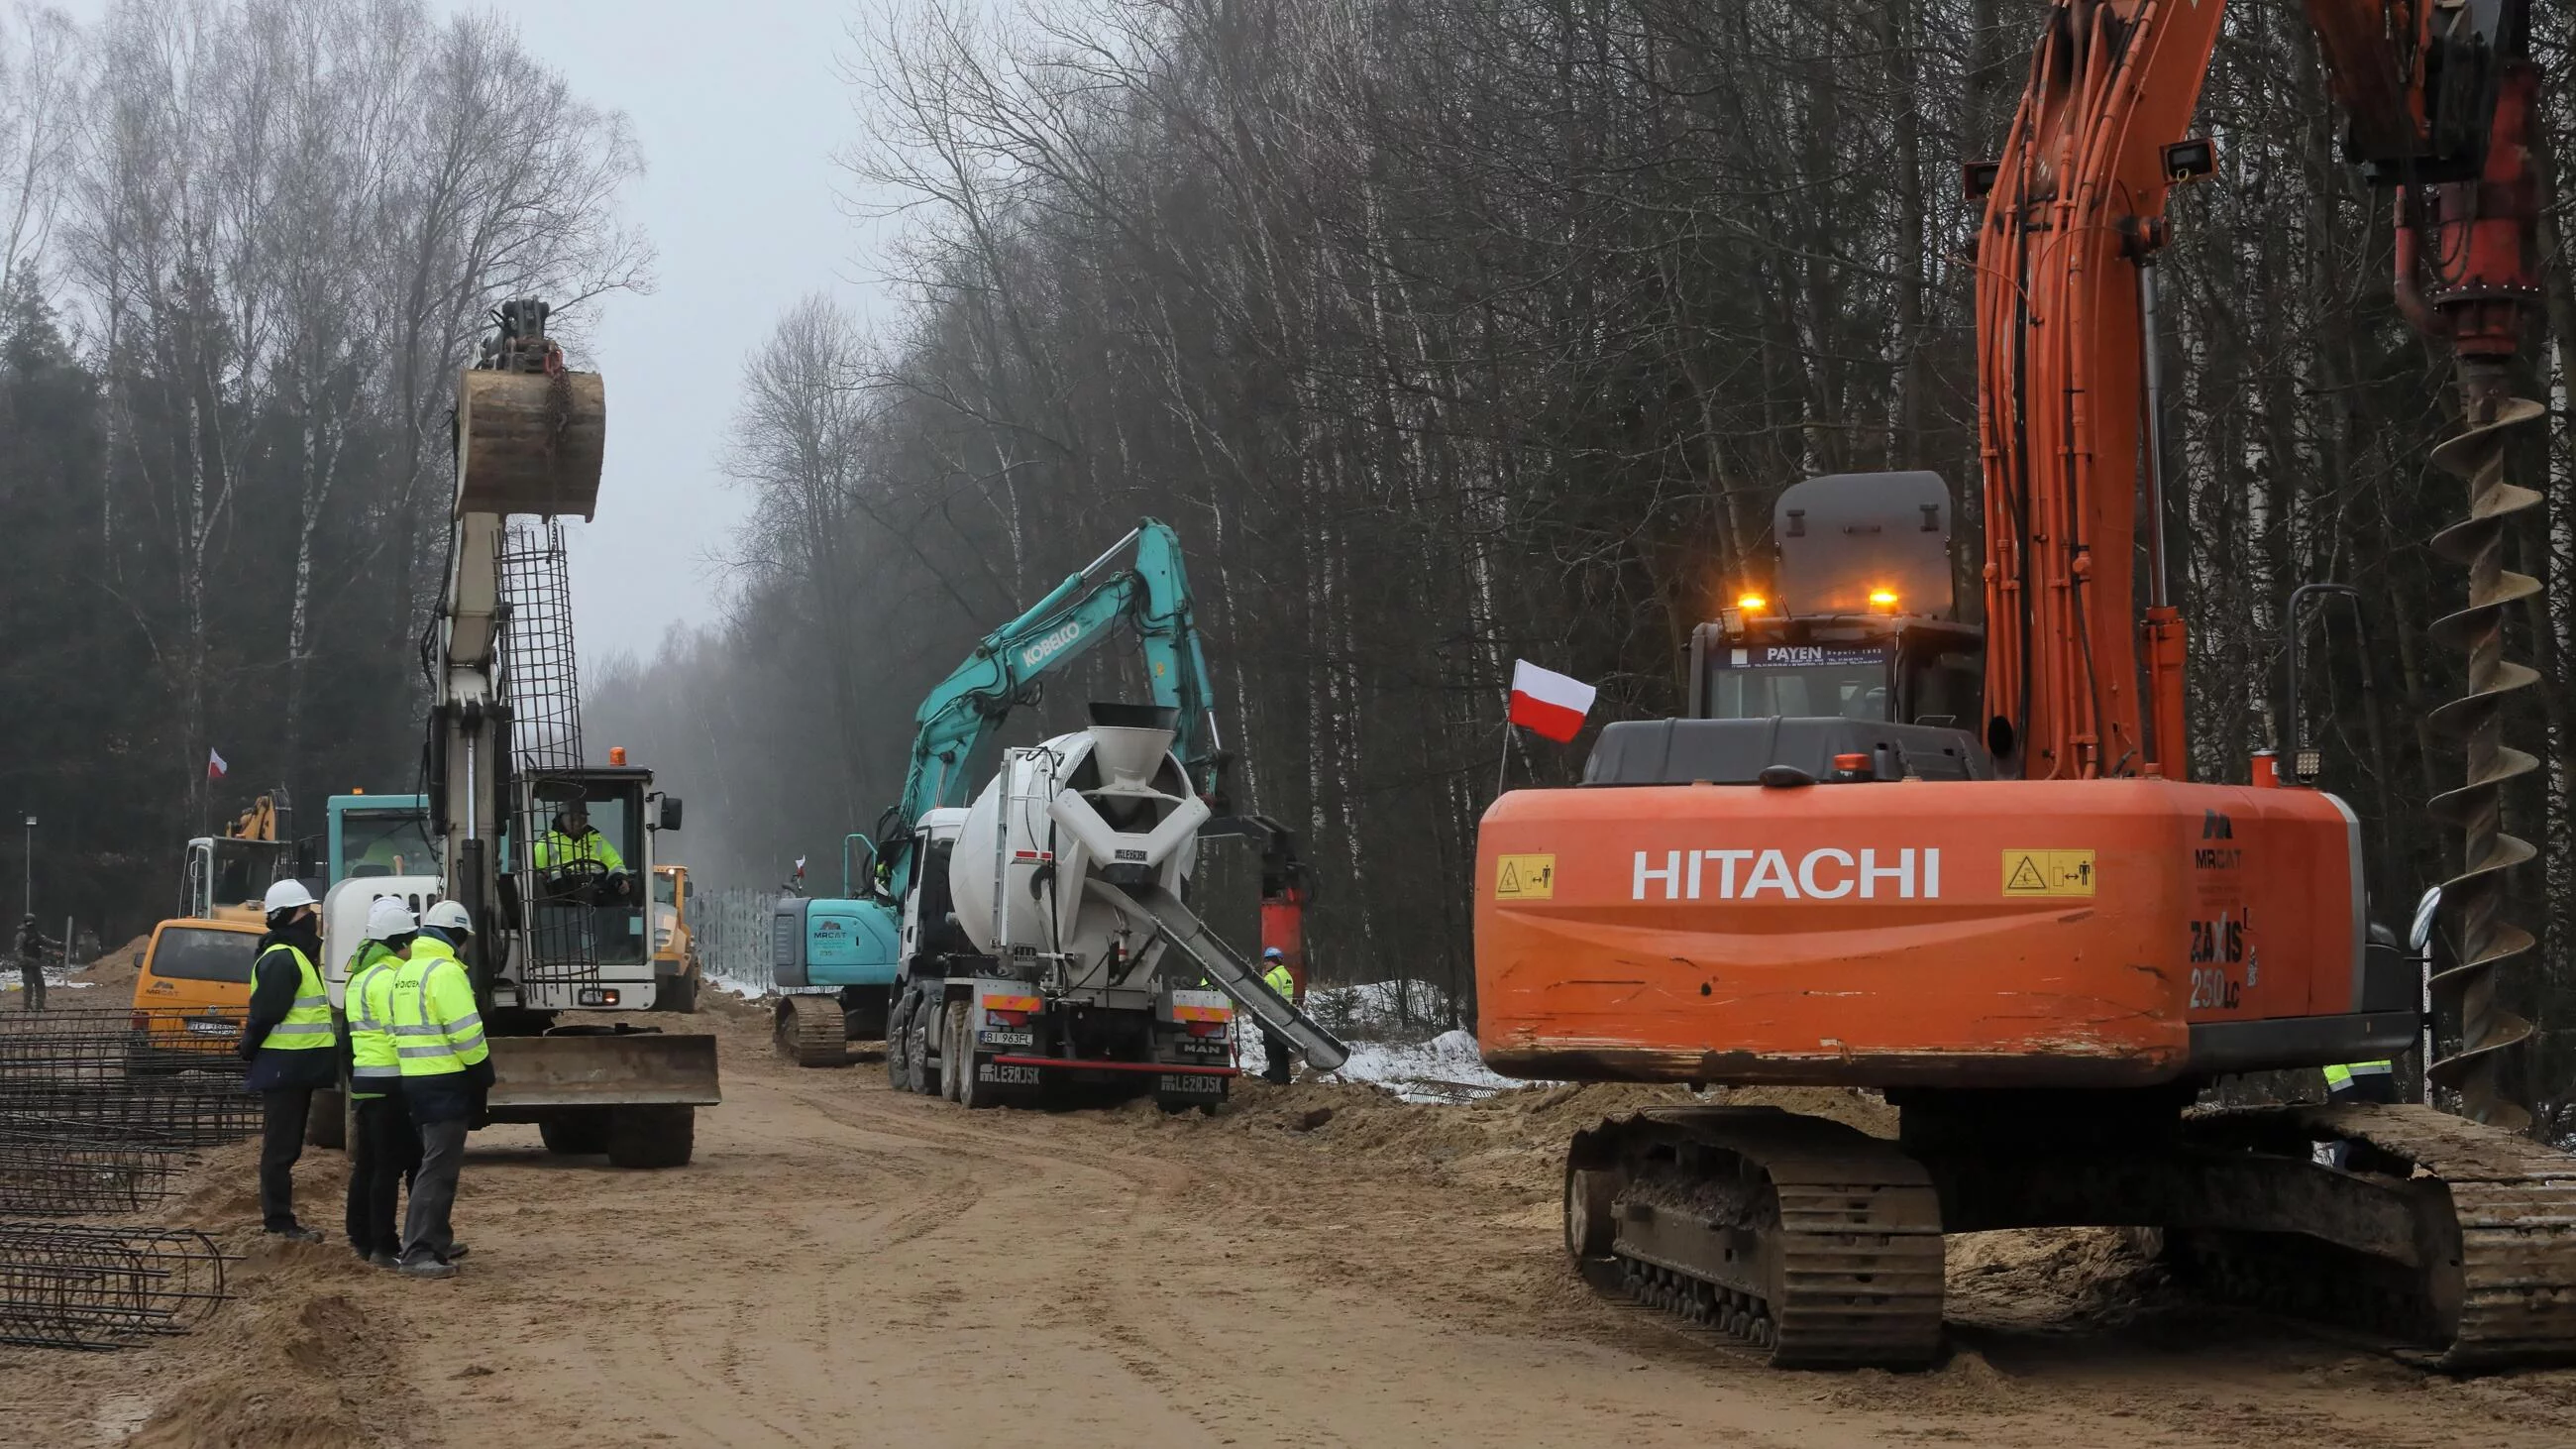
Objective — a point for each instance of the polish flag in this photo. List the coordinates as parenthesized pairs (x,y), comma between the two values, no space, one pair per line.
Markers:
(216,769)
(1549,702)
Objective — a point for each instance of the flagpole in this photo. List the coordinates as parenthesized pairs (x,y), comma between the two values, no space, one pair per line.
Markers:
(1503,760)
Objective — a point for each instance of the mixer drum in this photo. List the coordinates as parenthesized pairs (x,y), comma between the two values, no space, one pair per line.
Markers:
(1129,779)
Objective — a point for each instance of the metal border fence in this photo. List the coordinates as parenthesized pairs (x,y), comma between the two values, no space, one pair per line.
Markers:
(731,928)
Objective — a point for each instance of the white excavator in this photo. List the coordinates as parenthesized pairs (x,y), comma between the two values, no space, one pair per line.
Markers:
(552,856)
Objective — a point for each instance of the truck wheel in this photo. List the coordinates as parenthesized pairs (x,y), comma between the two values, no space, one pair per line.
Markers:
(652,1136)
(970,1092)
(575,1134)
(899,1041)
(326,1124)
(917,1075)
(954,1054)
(810,1031)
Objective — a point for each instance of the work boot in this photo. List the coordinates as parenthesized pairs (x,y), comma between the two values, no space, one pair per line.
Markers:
(384,1259)
(455,1253)
(427,1268)
(294,1233)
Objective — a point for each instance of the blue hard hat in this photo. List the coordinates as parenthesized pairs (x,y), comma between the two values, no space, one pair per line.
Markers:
(1273,953)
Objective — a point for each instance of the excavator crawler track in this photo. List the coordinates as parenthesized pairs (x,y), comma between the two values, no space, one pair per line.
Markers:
(2495,1284)
(1811,1243)
(812,1032)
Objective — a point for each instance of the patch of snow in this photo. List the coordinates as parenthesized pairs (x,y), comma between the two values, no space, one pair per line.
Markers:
(1447,1068)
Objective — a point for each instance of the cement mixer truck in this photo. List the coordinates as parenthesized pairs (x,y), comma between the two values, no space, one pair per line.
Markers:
(1052,954)
(1010,955)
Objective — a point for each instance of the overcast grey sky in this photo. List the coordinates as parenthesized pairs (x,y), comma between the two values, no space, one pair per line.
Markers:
(738,110)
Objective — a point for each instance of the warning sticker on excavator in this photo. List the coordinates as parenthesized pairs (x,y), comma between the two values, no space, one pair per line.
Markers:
(1525,878)
(2048,873)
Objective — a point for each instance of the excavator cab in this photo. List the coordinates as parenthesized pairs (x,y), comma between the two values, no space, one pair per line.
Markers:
(587,860)
(1862,621)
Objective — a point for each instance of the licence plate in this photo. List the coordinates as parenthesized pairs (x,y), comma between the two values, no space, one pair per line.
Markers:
(214,1028)
(1191,1084)
(1007,1038)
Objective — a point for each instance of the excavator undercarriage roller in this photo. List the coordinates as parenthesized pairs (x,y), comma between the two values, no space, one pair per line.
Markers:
(812,1031)
(1816,1245)
(2485,1279)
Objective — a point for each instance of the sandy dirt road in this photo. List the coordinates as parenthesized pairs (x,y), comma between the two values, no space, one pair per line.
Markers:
(844,1265)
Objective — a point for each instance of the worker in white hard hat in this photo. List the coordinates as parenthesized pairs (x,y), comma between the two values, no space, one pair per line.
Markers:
(289,1042)
(384,1150)
(446,1070)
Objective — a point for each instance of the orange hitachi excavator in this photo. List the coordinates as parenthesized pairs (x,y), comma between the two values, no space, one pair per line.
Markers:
(2029,927)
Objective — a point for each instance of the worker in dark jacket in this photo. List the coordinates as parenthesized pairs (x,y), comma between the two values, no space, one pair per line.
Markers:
(291,1046)
(32,946)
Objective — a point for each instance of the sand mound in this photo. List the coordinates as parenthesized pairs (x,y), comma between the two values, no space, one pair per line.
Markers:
(1512,1141)
(294,1376)
(2051,1279)
(113,973)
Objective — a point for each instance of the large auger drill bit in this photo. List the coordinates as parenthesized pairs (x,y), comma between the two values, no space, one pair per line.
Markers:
(2464,994)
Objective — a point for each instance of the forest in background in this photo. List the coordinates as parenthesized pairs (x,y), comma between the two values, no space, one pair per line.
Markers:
(1445,334)
(244,245)
(1449,333)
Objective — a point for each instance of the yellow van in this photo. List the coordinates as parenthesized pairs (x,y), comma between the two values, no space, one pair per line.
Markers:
(191,991)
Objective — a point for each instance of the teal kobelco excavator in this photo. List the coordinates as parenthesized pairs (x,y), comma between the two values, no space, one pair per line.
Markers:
(1027,937)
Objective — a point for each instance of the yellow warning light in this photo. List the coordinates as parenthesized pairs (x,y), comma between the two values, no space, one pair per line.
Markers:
(1883,600)
(1751,603)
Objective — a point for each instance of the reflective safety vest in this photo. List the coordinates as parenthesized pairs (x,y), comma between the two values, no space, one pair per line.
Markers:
(307,1026)
(436,1029)
(373,1067)
(2339,1077)
(555,850)
(1278,979)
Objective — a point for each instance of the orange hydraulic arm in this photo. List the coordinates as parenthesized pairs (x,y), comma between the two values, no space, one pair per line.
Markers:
(2082,681)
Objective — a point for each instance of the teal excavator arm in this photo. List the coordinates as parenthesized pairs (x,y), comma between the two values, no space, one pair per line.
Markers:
(1149,593)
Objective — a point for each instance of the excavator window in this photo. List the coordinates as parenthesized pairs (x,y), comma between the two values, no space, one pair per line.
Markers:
(244,869)
(1944,688)
(391,842)
(1851,683)
(589,847)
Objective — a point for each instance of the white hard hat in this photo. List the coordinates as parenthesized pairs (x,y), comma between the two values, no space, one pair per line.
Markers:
(286,895)
(448,916)
(388,918)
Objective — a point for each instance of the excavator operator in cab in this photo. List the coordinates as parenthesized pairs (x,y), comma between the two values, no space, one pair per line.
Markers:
(573,856)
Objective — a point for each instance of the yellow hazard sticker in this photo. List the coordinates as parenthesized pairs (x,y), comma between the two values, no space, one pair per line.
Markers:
(1525,878)
(2049,873)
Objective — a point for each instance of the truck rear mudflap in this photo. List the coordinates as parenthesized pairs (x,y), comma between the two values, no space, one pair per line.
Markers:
(533,1074)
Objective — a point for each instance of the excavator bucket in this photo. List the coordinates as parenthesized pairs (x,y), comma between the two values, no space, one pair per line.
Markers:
(619,1069)
(529,442)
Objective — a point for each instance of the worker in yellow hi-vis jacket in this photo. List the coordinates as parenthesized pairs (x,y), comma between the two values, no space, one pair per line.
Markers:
(446,1068)
(384,1148)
